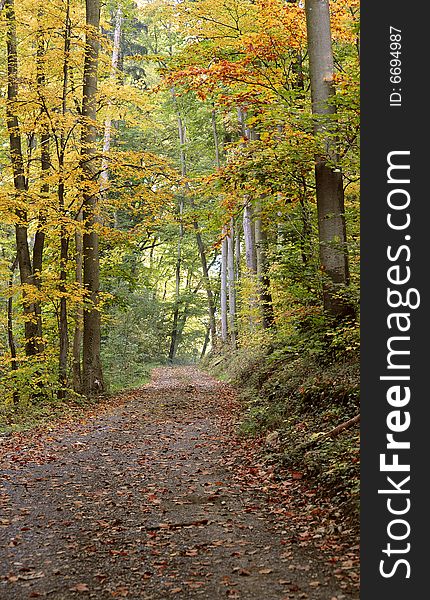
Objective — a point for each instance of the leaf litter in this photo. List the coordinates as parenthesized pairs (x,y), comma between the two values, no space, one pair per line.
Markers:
(152,495)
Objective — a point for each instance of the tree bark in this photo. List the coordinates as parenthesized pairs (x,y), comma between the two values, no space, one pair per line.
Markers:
(206,280)
(79,315)
(174,334)
(92,375)
(183,319)
(248,224)
(32,329)
(63,327)
(223,298)
(262,275)
(10,336)
(231,285)
(45,166)
(237,251)
(206,342)
(104,176)
(249,238)
(329,182)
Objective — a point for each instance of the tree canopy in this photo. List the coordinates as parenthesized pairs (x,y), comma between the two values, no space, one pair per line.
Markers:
(177,178)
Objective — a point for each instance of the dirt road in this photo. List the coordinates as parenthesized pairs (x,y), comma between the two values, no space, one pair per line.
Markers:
(146,501)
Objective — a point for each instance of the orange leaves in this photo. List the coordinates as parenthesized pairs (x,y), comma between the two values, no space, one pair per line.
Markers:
(80,587)
(245,46)
(249,47)
(345,19)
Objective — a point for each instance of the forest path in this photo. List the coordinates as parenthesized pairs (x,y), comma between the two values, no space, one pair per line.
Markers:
(147,501)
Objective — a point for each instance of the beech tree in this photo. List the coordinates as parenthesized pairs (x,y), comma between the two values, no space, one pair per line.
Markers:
(328,176)
(29,269)
(92,375)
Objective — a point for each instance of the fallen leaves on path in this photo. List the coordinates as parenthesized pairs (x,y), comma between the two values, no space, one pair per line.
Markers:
(152,495)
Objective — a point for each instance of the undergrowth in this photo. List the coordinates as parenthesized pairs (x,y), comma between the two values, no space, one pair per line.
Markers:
(45,408)
(295,389)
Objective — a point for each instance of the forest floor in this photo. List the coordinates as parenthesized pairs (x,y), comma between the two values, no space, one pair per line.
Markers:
(153,496)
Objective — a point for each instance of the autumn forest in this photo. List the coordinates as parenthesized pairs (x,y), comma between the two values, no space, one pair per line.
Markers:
(179,204)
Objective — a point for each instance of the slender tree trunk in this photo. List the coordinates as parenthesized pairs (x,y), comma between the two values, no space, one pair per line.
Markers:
(237,251)
(183,319)
(251,259)
(216,141)
(10,336)
(262,271)
(92,375)
(30,306)
(249,238)
(104,177)
(306,238)
(223,297)
(174,334)
(329,183)
(45,166)
(231,285)
(258,265)
(199,239)
(248,224)
(79,315)
(206,280)
(206,342)
(63,327)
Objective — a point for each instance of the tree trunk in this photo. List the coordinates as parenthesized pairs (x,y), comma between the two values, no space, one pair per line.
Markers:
(199,239)
(262,275)
(92,376)
(45,166)
(63,328)
(224,287)
(248,224)
(206,280)
(206,342)
(249,238)
(10,336)
(329,183)
(174,334)
(77,337)
(306,237)
(31,311)
(182,321)
(231,285)
(237,250)
(104,176)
